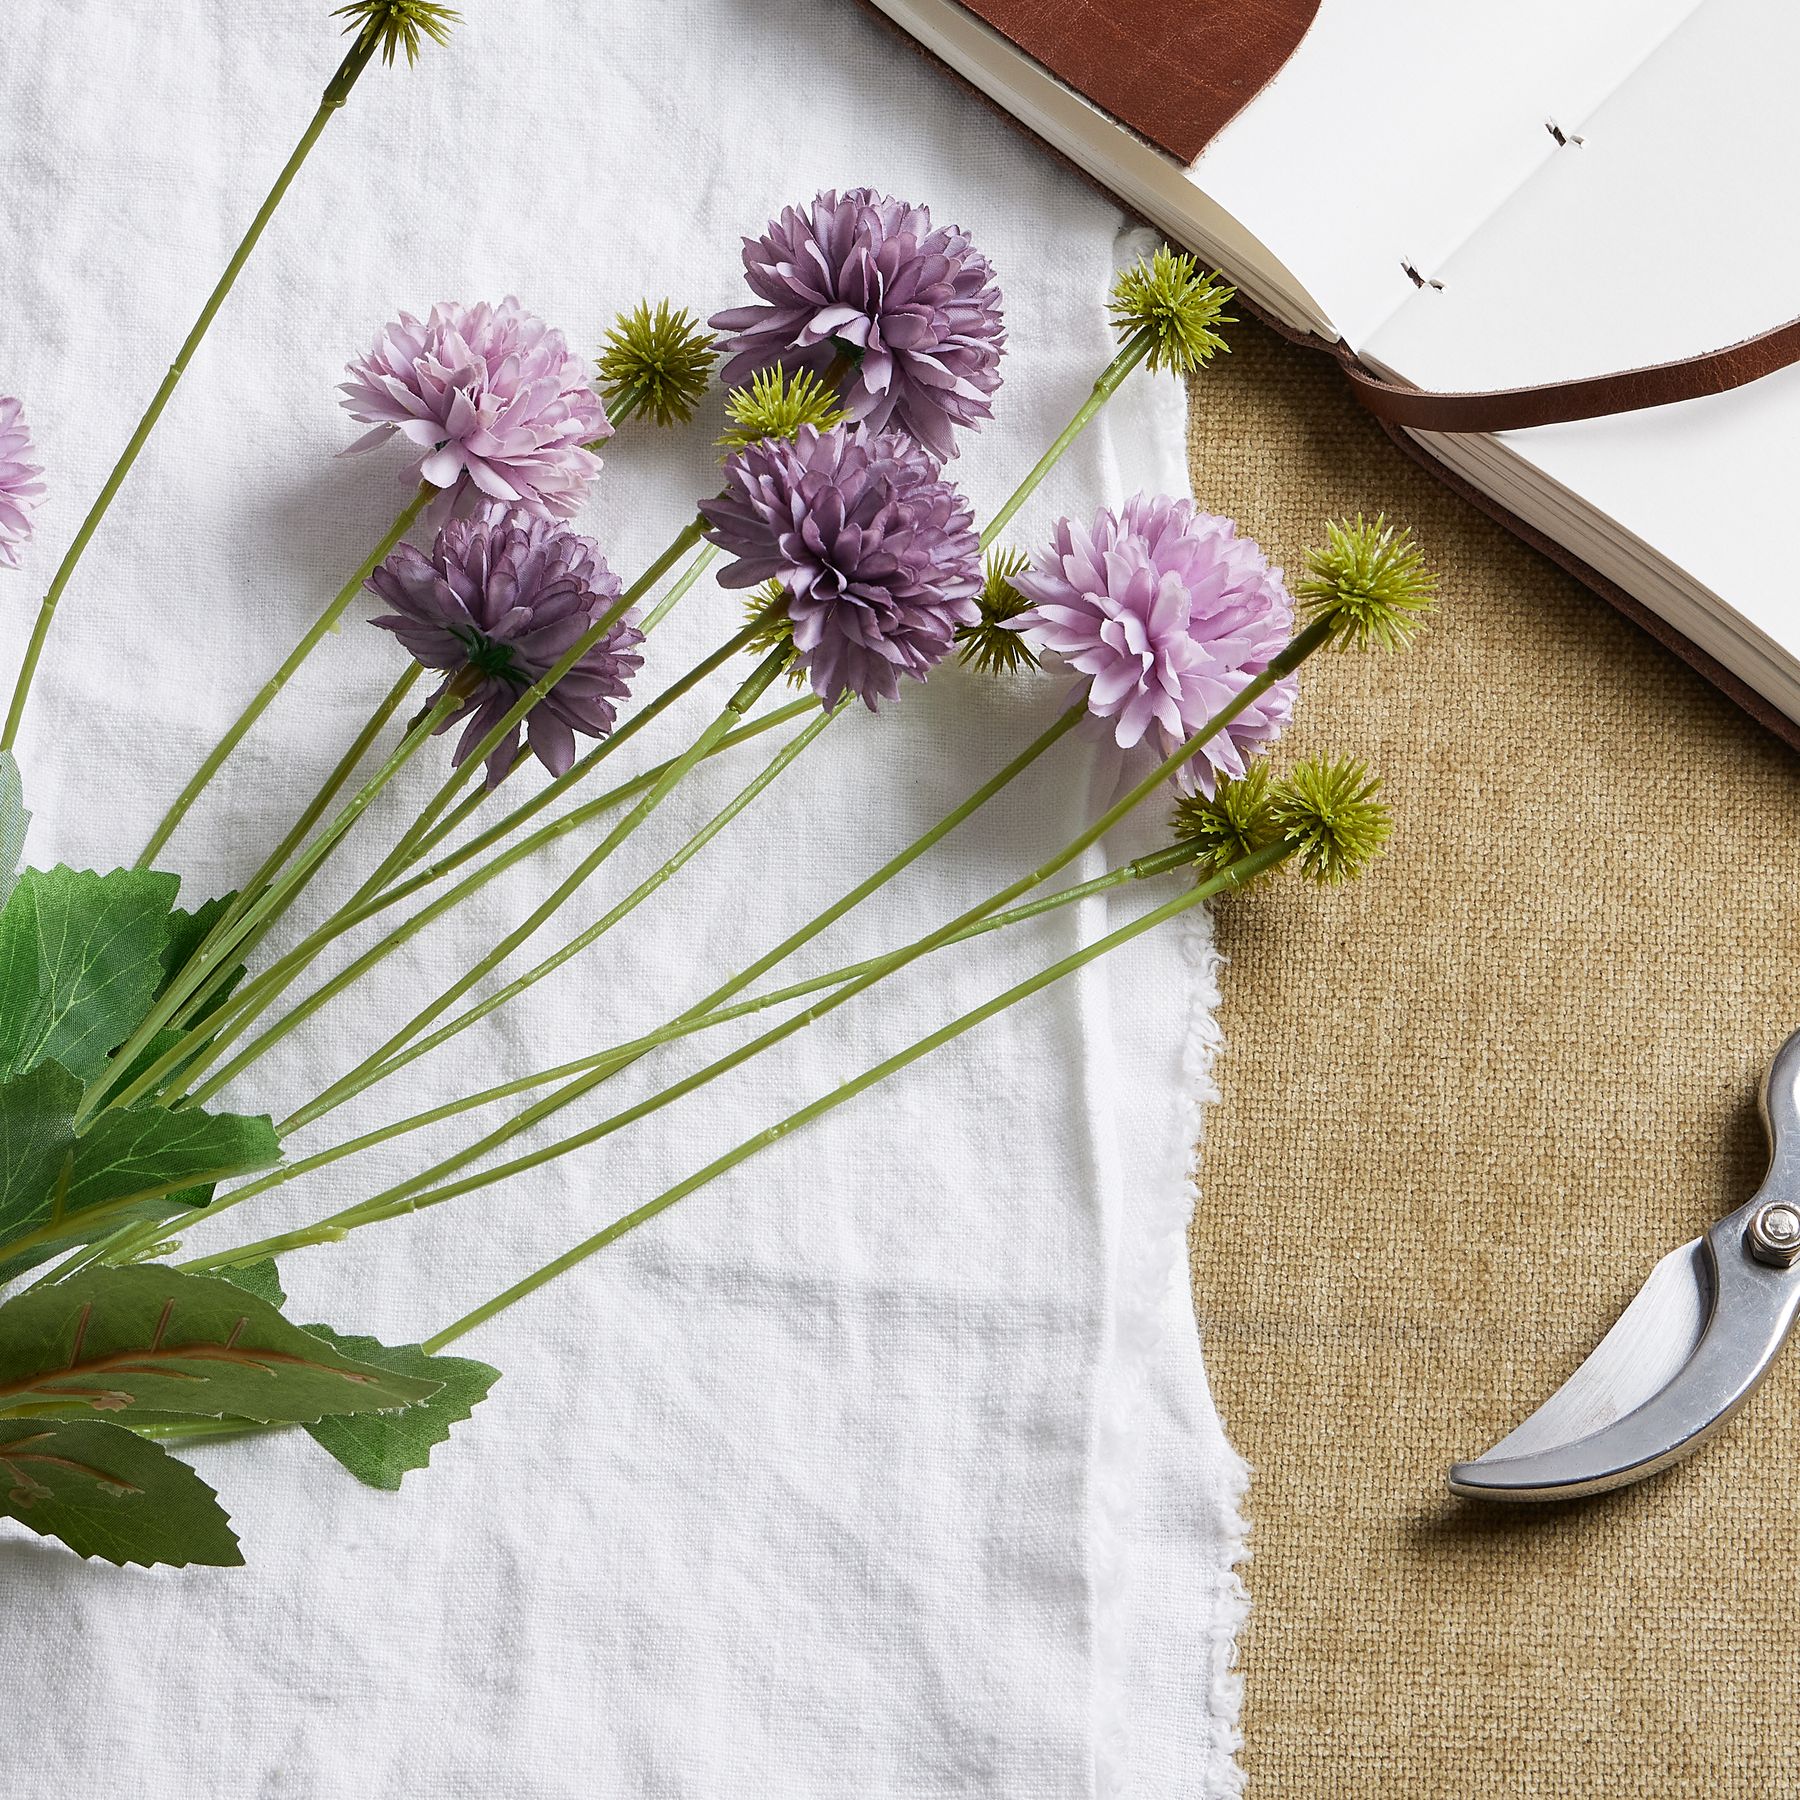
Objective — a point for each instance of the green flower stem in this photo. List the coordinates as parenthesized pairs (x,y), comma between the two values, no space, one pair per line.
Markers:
(316,809)
(813,928)
(401,855)
(591,934)
(611,1063)
(703,560)
(773,1134)
(210,1039)
(328,990)
(335,95)
(258,992)
(116,1245)
(797,939)
(730,715)
(187,1430)
(266,695)
(1136,348)
(617,1056)
(617,415)
(418,1192)
(279,973)
(589,809)
(223,940)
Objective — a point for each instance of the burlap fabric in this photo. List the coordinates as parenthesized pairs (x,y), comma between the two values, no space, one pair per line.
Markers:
(1467,1104)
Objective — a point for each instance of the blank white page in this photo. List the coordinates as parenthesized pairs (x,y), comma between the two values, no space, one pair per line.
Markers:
(1666,232)
(1398,126)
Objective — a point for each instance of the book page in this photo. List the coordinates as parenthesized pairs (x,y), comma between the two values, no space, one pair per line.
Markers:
(1400,125)
(1664,233)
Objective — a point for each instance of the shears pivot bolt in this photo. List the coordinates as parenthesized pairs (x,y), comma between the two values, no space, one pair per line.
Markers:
(1774,1234)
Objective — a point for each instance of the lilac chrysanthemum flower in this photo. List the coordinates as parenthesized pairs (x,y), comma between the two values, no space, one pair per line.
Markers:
(20,489)
(1168,612)
(915,307)
(875,551)
(502,597)
(494,398)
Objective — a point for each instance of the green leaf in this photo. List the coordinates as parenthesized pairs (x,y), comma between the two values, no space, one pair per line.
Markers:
(187,932)
(381,1448)
(107,1492)
(13,820)
(81,958)
(151,1337)
(260,1278)
(59,1188)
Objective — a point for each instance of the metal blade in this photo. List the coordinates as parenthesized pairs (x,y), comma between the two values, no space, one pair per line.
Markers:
(1653,1339)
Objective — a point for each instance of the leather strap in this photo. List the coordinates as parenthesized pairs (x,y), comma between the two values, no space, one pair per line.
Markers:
(1592,397)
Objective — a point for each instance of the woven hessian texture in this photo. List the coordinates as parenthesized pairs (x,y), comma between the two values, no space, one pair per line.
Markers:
(1468,1103)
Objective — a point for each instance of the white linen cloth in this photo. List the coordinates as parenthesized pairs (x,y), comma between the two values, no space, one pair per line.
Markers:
(885,1467)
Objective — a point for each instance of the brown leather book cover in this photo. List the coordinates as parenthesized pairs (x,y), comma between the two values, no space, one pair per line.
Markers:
(1175,71)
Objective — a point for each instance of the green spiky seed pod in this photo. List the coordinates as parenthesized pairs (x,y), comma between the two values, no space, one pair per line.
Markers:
(400,24)
(1168,296)
(990,644)
(1371,582)
(774,405)
(1236,822)
(765,608)
(657,363)
(1328,810)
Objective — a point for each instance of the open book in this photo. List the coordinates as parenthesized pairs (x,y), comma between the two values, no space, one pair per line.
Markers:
(1471,195)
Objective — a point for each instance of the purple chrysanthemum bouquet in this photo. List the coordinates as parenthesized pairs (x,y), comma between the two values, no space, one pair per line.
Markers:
(874,338)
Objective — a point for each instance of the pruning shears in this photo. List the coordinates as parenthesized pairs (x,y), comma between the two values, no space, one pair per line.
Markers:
(1687,1352)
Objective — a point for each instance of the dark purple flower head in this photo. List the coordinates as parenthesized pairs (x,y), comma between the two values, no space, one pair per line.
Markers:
(20,489)
(492,396)
(1168,613)
(502,597)
(875,550)
(915,307)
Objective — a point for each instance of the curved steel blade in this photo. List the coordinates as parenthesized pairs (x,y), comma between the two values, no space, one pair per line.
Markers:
(1684,1355)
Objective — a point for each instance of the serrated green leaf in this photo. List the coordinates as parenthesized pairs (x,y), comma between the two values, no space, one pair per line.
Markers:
(106,1492)
(150,1337)
(109,1493)
(81,958)
(260,1278)
(59,1188)
(380,1448)
(13,821)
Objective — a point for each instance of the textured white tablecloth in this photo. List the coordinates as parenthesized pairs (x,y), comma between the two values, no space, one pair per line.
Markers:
(885,1467)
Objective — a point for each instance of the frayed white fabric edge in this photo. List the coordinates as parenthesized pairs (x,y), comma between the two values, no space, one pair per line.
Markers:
(1152,1290)
(1152,1302)
(1201,1049)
